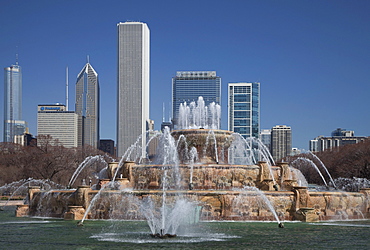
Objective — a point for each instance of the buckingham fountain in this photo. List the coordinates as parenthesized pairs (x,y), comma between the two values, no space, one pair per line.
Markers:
(198,172)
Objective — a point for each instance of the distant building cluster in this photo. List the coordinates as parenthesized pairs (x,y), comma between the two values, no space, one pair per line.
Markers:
(339,137)
(82,126)
(70,128)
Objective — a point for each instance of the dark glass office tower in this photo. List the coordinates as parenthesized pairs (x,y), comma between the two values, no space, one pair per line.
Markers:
(187,86)
(13,124)
(244,108)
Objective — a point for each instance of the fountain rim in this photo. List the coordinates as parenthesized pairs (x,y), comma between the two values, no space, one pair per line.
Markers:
(202,129)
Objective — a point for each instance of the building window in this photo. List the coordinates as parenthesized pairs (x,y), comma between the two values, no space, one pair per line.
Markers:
(241,114)
(241,98)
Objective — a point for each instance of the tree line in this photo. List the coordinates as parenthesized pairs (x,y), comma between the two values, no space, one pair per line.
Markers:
(49,160)
(348,161)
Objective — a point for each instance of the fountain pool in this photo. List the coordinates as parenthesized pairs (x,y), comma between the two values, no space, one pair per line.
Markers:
(51,233)
(201,170)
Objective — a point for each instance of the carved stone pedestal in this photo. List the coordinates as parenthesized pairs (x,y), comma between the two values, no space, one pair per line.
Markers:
(306,214)
(22,211)
(74,213)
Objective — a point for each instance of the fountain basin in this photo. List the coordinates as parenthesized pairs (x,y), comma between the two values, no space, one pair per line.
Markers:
(238,205)
(207,178)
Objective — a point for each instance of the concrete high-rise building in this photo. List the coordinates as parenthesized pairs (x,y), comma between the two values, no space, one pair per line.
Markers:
(87,106)
(187,86)
(60,124)
(132,84)
(244,108)
(281,141)
(265,137)
(13,124)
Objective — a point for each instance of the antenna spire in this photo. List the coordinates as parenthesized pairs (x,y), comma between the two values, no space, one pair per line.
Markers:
(163,119)
(88,59)
(67,88)
(16,56)
(169,112)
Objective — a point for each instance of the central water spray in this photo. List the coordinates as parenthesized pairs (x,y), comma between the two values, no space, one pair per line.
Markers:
(197,115)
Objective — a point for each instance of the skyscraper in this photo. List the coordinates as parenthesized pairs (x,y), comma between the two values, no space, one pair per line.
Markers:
(60,124)
(265,137)
(244,108)
(281,141)
(187,86)
(13,124)
(87,106)
(132,84)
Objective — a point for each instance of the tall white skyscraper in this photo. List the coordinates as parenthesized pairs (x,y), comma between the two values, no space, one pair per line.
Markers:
(132,84)
(87,106)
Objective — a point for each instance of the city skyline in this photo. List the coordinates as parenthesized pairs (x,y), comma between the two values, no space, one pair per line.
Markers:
(311,57)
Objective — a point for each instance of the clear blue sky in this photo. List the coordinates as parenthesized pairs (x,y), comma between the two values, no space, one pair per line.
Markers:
(312,57)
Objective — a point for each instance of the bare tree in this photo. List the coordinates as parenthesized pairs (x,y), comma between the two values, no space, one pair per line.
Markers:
(49,160)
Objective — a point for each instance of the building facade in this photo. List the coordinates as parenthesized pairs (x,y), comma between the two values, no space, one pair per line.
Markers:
(281,141)
(26,139)
(13,124)
(339,137)
(132,84)
(60,124)
(166,124)
(187,86)
(87,106)
(19,128)
(244,108)
(265,137)
(107,145)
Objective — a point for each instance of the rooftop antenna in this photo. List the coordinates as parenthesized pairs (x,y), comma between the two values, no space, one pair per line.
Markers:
(88,59)
(163,119)
(67,88)
(16,55)
(169,112)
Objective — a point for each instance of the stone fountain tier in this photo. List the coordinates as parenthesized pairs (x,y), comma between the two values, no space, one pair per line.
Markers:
(202,176)
(241,204)
(204,141)
(221,191)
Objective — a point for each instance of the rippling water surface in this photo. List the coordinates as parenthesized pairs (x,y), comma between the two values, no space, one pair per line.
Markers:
(48,233)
